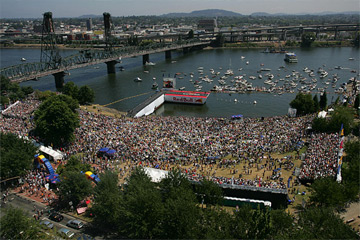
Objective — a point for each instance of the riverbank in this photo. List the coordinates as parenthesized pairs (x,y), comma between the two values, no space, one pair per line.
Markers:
(247,45)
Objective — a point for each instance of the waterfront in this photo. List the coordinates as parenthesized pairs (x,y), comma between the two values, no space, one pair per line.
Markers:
(110,88)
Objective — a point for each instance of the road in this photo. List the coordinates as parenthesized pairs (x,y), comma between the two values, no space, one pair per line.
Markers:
(27,205)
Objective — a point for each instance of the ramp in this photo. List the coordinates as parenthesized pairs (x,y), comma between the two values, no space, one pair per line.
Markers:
(49,167)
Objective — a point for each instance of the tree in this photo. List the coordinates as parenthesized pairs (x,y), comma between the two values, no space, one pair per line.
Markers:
(86,95)
(356,103)
(191,34)
(303,103)
(316,103)
(181,213)
(142,218)
(210,191)
(56,122)
(74,165)
(109,202)
(326,192)
(70,89)
(16,155)
(342,116)
(73,187)
(323,223)
(319,124)
(323,101)
(307,39)
(16,225)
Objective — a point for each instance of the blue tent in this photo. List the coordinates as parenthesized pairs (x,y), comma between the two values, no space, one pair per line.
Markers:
(110,152)
(104,149)
(237,116)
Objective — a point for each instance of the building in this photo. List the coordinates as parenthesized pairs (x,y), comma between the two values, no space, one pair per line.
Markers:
(208,25)
(89,25)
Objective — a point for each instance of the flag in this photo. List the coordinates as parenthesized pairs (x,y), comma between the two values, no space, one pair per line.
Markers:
(342,130)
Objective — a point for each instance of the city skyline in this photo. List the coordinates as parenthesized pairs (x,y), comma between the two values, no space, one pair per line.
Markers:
(75,8)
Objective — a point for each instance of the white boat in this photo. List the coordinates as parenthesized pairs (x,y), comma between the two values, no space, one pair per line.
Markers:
(137,79)
(255,102)
(290,57)
(23,59)
(155,85)
(149,64)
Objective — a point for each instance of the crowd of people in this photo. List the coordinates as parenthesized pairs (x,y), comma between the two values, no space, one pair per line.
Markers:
(199,146)
(321,157)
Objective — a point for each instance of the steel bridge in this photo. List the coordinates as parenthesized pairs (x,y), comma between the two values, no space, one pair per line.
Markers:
(36,70)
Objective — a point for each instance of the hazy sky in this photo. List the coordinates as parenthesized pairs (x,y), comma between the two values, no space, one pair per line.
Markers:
(75,8)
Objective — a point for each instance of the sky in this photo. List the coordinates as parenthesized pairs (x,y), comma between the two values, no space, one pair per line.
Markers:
(75,8)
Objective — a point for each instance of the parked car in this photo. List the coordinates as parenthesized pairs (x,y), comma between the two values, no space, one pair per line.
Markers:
(66,232)
(55,216)
(46,224)
(75,224)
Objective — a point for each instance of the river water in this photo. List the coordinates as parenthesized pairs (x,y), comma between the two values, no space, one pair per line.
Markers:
(114,87)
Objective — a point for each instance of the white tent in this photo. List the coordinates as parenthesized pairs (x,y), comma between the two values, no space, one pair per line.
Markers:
(156,174)
(322,114)
(54,154)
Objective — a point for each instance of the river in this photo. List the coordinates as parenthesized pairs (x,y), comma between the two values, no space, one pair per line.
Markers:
(114,87)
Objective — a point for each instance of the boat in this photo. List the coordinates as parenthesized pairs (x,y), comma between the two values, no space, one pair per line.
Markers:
(155,85)
(290,57)
(137,79)
(23,59)
(149,63)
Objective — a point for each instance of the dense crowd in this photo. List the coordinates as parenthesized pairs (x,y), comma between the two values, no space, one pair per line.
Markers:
(196,144)
(321,157)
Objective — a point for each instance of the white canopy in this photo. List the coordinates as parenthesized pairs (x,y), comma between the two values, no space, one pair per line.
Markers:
(156,174)
(322,114)
(56,155)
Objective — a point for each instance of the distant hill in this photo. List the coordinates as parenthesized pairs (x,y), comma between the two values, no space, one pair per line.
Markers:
(205,13)
(90,16)
(265,14)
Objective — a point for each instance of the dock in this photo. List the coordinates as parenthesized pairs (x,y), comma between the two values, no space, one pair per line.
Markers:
(148,106)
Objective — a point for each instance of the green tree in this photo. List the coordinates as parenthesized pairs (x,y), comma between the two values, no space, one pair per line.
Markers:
(56,122)
(307,39)
(4,100)
(323,101)
(109,204)
(191,34)
(210,192)
(319,124)
(86,95)
(303,103)
(251,223)
(216,224)
(351,169)
(27,90)
(341,116)
(70,89)
(181,213)
(356,102)
(4,83)
(323,223)
(326,192)
(281,225)
(16,225)
(316,103)
(74,165)
(144,210)
(16,154)
(74,187)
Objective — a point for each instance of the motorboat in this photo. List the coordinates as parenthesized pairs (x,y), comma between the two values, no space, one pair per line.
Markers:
(23,59)
(137,79)
(155,85)
(290,57)
(150,64)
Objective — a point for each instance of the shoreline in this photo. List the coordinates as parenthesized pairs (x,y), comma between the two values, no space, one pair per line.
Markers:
(240,45)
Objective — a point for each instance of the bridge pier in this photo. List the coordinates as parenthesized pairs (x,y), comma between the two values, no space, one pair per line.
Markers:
(168,54)
(59,79)
(111,67)
(146,58)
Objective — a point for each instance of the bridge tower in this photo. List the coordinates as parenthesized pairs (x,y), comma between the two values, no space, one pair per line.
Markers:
(50,57)
(109,41)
